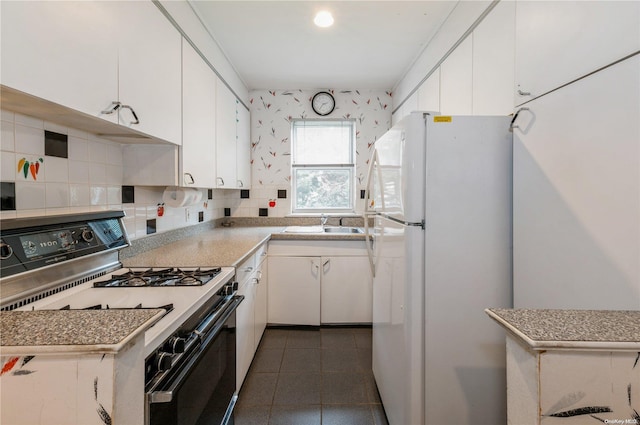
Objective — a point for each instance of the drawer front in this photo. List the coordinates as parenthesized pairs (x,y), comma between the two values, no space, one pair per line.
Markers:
(245,269)
(261,254)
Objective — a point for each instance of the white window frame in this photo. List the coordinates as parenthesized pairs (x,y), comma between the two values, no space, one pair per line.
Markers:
(351,166)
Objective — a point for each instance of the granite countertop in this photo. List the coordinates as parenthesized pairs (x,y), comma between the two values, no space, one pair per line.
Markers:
(572,329)
(220,246)
(72,331)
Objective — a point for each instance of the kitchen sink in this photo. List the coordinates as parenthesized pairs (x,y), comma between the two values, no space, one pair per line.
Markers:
(343,230)
(319,229)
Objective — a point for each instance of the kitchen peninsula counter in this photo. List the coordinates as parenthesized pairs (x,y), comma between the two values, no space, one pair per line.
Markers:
(571,366)
(72,331)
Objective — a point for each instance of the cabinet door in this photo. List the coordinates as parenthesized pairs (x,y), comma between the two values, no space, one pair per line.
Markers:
(225,137)
(64,52)
(245,345)
(456,79)
(346,290)
(261,285)
(493,62)
(243,147)
(576,195)
(559,41)
(294,290)
(429,93)
(198,120)
(150,71)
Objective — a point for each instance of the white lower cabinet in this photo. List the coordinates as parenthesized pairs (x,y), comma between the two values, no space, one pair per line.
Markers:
(334,286)
(294,293)
(251,316)
(345,290)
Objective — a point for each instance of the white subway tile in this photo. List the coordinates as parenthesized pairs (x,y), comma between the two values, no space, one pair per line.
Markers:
(7,139)
(78,134)
(29,121)
(114,154)
(5,215)
(56,170)
(58,211)
(78,149)
(97,173)
(98,195)
(30,196)
(114,195)
(141,213)
(57,195)
(114,174)
(79,172)
(79,195)
(7,115)
(56,128)
(9,166)
(29,140)
(97,152)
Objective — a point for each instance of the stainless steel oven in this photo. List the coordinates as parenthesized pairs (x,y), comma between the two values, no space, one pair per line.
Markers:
(192,378)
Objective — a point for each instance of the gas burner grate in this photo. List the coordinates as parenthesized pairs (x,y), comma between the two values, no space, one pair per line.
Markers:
(172,276)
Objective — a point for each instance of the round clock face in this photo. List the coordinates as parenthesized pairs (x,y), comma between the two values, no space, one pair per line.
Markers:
(323,103)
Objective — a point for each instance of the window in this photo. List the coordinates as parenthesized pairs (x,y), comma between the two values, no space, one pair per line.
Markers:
(323,165)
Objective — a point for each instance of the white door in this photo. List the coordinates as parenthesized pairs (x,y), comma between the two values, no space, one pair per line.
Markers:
(243,147)
(261,284)
(294,290)
(245,335)
(225,137)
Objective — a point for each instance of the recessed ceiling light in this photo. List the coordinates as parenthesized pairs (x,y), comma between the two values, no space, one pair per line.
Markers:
(323,19)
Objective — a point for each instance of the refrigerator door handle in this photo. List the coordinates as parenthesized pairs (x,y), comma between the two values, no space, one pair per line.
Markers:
(420,224)
(368,241)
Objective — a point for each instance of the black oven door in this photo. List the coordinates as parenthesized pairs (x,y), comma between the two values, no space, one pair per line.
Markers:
(202,389)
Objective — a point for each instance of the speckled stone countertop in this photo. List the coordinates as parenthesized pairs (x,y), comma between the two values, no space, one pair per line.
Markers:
(572,329)
(220,246)
(72,331)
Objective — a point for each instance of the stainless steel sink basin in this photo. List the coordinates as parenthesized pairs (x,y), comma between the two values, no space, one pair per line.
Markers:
(343,230)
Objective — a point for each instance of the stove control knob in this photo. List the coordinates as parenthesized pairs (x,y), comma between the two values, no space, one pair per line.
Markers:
(87,235)
(174,345)
(5,251)
(164,362)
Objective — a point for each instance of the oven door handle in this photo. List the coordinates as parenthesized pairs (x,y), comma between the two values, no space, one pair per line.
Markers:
(166,396)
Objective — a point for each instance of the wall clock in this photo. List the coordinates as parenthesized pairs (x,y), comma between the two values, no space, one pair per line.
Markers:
(323,103)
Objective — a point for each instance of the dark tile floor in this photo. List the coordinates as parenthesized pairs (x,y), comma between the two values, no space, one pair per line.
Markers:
(311,377)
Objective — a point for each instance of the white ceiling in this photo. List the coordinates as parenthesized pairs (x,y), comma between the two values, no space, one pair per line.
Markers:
(274,44)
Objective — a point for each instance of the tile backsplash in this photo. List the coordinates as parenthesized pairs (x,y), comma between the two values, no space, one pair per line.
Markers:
(89,179)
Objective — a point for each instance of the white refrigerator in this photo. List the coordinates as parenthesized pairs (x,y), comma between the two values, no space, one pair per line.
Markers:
(439,193)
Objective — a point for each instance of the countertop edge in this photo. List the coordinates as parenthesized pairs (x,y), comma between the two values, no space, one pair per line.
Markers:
(563,345)
(24,350)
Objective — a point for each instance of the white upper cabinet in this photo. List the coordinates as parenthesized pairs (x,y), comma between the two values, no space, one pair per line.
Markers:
(198,151)
(88,55)
(493,62)
(225,137)
(429,93)
(233,150)
(65,52)
(456,80)
(243,147)
(149,71)
(559,41)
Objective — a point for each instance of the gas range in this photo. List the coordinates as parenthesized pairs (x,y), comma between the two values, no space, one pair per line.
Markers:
(71,262)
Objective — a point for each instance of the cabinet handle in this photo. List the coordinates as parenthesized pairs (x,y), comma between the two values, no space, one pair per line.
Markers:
(524,93)
(248,270)
(190,181)
(240,183)
(135,116)
(221,181)
(324,265)
(515,117)
(115,105)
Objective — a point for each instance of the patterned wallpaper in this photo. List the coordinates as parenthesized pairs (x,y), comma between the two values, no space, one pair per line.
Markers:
(271,114)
